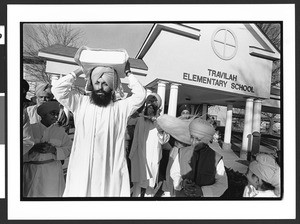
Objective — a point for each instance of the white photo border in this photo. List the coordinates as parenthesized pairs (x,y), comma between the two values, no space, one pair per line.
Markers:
(117,210)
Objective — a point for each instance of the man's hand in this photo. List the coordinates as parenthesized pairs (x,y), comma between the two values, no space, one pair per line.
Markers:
(43,147)
(191,189)
(78,71)
(127,68)
(52,150)
(198,191)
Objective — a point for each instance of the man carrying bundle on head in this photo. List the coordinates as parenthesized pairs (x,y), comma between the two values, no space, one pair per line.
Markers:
(97,165)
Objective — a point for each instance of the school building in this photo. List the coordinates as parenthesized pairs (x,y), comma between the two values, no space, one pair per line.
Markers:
(226,64)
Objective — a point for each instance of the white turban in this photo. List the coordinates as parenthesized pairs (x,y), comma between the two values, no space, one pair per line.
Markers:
(266,168)
(43,88)
(202,129)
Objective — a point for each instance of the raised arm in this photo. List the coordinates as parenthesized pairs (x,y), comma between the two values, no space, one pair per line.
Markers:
(62,90)
(136,100)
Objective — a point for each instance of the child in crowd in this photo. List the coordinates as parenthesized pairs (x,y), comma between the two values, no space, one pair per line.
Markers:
(263,177)
(42,169)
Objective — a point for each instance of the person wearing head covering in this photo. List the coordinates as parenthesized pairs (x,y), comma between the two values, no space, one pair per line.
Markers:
(97,165)
(198,170)
(42,169)
(43,94)
(25,89)
(184,111)
(179,141)
(146,150)
(263,176)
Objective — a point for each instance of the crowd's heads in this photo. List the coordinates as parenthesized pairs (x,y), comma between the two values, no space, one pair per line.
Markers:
(184,111)
(102,82)
(43,93)
(265,168)
(152,104)
(48,112)
(201,131)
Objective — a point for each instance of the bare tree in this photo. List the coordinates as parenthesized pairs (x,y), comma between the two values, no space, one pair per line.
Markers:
(40,36)
(273,32)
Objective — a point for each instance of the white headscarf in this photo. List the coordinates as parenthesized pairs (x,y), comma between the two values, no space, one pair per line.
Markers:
(266,168)
(202,129)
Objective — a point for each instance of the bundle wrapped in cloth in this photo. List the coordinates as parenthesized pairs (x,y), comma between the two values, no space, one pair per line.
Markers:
(89,58)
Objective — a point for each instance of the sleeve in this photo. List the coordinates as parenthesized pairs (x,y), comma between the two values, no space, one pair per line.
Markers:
(221,184)
(132,121)
(62,90)
(135,101)
(28,140)
(64,150)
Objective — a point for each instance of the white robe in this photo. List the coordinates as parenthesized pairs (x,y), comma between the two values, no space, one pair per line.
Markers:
(46,179)
(145,153)
(97,165)
(32,114)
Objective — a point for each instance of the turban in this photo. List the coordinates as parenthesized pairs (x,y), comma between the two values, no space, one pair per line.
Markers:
(177,128)
(202,129)
(91,58)
(108,74)
(266,168)
(154,98)
(43,88)
(184,107)
(47,107)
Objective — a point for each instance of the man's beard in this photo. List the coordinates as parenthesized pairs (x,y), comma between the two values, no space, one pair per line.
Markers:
(101,100)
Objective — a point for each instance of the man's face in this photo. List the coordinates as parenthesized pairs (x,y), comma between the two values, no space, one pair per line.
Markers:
(252,178)
(150,111)
(50,118)
(102,93)
(185,114)
(43,97)
(99,85)
(196,141)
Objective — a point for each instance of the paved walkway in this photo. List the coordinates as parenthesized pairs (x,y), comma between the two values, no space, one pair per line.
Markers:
(231,158)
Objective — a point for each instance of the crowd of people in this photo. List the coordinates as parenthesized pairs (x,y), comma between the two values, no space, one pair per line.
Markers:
(119,144)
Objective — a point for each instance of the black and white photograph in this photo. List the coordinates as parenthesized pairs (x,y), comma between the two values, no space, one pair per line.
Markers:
(155,123)
(180,114)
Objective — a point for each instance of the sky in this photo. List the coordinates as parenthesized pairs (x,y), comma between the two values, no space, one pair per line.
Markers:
(128,36)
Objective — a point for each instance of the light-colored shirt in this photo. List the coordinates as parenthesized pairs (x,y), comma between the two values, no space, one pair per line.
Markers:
(146,152)
(181,167)
(32,114)
(46,179)
(56,136)
(251,192)
(97,164)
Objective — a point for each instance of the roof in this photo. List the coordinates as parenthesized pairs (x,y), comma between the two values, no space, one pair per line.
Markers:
(269,50)
(61,50)
(58,52)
